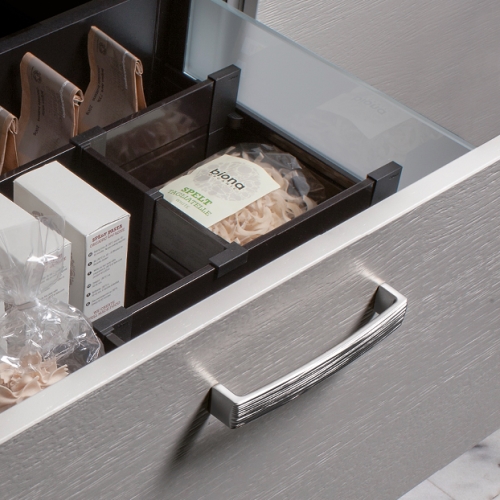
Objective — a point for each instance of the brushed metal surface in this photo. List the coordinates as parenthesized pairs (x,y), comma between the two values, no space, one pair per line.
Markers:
(438,58)
(235,411)
(381,425)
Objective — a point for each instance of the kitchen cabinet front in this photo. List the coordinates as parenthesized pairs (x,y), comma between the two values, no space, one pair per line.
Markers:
(135,424)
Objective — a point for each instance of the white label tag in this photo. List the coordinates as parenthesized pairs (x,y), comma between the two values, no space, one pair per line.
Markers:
(219,188)
(369,112)
(105,265)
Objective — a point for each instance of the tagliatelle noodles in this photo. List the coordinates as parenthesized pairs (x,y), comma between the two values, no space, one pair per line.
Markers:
(31,376)
(297,188)
(265,214)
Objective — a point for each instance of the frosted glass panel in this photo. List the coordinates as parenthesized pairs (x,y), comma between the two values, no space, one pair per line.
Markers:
(334,113)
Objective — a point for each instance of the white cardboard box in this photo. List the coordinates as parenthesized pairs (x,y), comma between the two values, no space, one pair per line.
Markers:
(14,219)
(97,228)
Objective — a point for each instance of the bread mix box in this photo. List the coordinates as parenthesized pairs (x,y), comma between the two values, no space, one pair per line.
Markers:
(14,218)
(97,228)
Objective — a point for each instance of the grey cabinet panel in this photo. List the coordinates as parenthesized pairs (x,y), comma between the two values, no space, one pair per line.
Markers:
(375,429)
(438,58)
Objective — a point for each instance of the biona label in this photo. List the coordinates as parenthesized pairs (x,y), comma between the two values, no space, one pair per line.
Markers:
(219,188)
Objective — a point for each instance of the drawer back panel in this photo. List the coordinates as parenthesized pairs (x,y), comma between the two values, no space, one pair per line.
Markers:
(61,42)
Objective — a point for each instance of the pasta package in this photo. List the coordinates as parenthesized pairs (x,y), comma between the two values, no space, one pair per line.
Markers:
(41,340)
(245,191)
(49,109)
(115,89)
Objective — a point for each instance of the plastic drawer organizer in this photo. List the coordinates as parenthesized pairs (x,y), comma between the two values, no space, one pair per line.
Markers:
(173,261)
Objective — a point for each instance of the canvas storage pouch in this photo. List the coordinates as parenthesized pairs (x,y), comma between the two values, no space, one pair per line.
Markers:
(49,109)
(8,148)
(115,89)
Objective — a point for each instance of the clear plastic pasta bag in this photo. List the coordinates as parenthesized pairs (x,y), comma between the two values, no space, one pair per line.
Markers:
(41,340)
(240,207)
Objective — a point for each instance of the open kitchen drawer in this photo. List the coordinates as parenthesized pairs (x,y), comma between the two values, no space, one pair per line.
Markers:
(135,424)
(174,261)
(344,133)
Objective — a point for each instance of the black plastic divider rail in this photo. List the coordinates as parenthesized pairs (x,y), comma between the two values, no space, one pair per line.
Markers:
(126,323)
(123,324)
(226,83)
(386,180)
(130,138)
(67,155)
(173,158)
(129,194)
(182,238)
(124,189)
(171,41)
(310,224)
(18,15)
(200,282)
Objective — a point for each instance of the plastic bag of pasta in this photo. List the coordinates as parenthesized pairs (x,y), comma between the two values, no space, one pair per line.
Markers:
(245,191)
(41,341)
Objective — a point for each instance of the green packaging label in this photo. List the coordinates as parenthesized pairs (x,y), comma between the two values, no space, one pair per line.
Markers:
(219,188)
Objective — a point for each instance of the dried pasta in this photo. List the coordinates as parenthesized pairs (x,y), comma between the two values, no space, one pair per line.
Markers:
(31,376)
(265,214)
(297,192)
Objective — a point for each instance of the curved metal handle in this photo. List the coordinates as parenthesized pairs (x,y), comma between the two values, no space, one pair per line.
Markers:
(235,411)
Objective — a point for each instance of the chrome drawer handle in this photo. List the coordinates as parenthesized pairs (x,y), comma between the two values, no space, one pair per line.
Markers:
(235,411)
